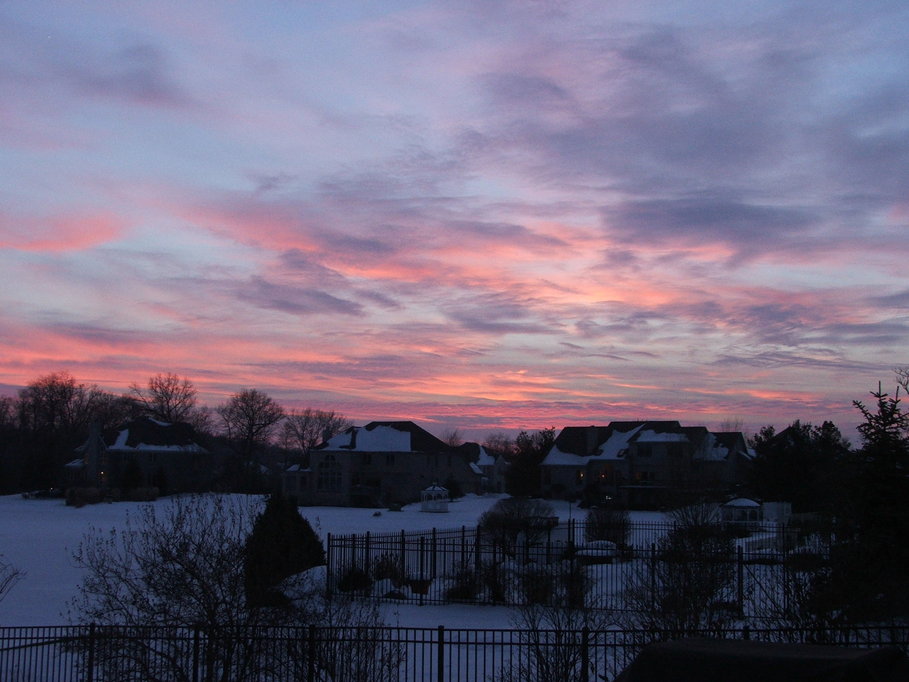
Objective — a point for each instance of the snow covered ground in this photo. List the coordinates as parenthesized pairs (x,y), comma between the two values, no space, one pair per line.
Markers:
(39,536)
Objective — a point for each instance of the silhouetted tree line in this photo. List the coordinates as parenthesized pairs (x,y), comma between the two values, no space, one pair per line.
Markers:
(250,433)
(857,498)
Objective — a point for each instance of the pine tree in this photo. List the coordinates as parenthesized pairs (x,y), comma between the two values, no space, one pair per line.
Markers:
(282,543)
(869,558)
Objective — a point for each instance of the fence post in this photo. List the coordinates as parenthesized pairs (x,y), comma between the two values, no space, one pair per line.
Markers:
(653,592)
(91,653)
(422,574)
(311,653)
(328,564)
(440,655)
(403,556)
(740,582)
(432,564)
(196,643)
(476,552)
(585,655)
(366,555)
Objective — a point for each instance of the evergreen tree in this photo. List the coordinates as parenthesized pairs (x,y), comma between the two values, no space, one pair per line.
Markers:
(522,479)
(796,464)
(869,559)
(281,544)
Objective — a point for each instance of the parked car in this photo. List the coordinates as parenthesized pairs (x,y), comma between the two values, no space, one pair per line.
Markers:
(597,552)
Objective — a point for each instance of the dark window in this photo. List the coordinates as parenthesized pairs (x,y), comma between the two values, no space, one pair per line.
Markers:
(644,476)
(329,475)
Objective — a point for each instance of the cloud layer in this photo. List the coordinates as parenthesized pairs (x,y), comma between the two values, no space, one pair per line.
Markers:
(490,215)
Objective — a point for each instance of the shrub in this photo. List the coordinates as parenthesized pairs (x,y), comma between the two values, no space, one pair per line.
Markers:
(493,579)
(388,567)
(454,488)
(608,524)
(145,494)
(538,585)
(464,586)
(512,517)
(79,497)
(355,579)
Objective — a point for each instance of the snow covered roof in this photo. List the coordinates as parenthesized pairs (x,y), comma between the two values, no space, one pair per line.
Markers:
(380,439)
(146,434)
(742,502)
(126,441)
(723,444)
(485,459)
(575,446)
(385,437)
(558,458)
(651,436)
(613,448)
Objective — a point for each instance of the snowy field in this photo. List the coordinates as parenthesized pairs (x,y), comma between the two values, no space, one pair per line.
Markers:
(39,536)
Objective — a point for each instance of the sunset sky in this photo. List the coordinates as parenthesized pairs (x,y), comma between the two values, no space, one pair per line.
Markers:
(489,215)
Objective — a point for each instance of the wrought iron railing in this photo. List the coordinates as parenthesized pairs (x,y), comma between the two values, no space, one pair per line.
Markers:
(159,654)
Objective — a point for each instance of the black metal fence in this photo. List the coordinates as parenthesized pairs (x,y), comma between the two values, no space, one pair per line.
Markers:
(159,654)
(555,560)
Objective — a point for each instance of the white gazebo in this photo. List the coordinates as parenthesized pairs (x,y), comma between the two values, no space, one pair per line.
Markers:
(742,511)
(434,499)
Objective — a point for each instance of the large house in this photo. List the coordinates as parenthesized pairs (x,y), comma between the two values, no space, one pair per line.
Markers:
(642,463)
(380,464)
(144,452)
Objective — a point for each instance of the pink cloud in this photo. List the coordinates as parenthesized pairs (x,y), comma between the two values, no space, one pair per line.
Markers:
(57,234)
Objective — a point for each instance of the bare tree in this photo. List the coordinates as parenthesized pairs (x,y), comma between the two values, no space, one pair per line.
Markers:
(453,437)
(9,576)
(177,566)
(555,638)
(167,397)
(55,402)
(732,424)
(53,414)
(7,413)
(249,420)
(512,519)
(182,567)
(902,377)
(686,584)
(305,429)
(499,444)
